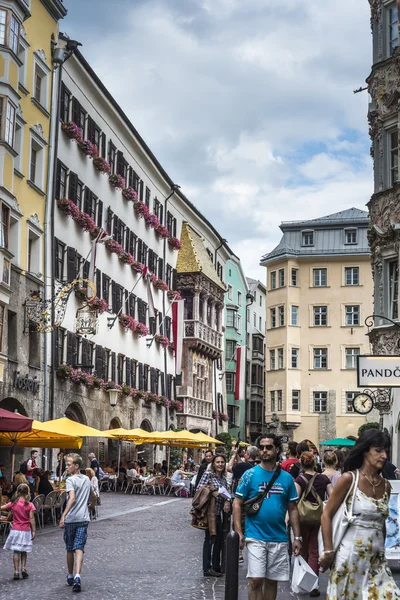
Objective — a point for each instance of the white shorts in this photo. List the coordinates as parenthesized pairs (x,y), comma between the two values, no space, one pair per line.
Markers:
(268,560)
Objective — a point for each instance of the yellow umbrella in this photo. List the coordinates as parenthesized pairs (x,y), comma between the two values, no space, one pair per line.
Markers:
(72,428)
(206,439)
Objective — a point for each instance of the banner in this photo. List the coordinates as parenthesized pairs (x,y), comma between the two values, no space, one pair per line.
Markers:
(177,328)
(240,381)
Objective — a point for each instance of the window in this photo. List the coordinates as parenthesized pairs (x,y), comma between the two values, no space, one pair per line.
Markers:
(351,357)
(257,375)
(307,238)
(233,414)
(295,358)
(37,91)
(14,34)
(272,313)
(280,400)
(59,259)
(393,270)
(352,315)
(7,121)
(280,358)
(295,399)
(230,318)
(273,280)
(61,191)
(230,383)
(9,30)
(394,158)
(238,322)
(34,252)
(230,350)
(272,397)
(33,165)
(229,292)
(4,226)
(272,360)
(320,277)
(171,224)
(239,298)
(158,210)
(295,315)
(320,401)
(295,277)
(350,236)
(351,276)
(260,323)
(281,277)
(349,401)
(36,163)
(281,316)
(260,300)
(65,101)
(3,22)
(393,29)
(248,315)
(320,358)
(320,316)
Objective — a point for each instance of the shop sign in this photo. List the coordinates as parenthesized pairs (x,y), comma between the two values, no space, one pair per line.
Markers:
(28,384)
(86,322)
(378,371)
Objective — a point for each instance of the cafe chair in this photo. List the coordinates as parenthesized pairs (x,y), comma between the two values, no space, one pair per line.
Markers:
(38,503)
(50,504)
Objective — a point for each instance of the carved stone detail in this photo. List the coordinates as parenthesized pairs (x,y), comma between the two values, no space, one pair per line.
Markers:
(39,130)
(14,204)
(384,86)
(19,111)
(42,54)
(386,343)
(34,219)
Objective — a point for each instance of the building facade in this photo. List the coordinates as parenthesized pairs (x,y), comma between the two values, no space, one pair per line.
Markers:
(28,33)
(255,368)
(384,206)
(153,246)
(235,336)
(319,292)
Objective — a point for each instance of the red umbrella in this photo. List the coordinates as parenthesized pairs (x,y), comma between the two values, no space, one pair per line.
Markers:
(10,421)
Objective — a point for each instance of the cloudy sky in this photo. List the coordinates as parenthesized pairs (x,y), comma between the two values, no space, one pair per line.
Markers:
(248,104)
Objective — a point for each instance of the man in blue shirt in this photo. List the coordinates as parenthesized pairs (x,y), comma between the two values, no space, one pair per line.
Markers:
(265,533)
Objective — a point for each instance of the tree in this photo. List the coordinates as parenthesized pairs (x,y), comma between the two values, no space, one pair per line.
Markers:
(226,439)
(367,426)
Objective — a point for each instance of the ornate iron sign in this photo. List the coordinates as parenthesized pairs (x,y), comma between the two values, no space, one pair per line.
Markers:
(86,321)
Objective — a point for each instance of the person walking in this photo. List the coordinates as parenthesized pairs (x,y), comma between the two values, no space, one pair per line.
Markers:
(322,486)
(30,465)
(23,529)
(358,567)
(208,457)
(94,464)
(266,535)
(330,464)
(75,518)
(295,467)
(212,547)
(292,457)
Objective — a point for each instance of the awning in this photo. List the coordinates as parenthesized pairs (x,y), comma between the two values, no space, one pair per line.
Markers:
(10,421)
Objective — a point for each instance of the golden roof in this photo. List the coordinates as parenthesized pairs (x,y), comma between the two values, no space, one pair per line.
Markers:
(193,256)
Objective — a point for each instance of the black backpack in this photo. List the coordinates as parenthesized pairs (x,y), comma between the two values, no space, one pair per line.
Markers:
(23,467)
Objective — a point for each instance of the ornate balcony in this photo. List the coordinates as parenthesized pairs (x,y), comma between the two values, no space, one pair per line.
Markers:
(196,414)
(204,338)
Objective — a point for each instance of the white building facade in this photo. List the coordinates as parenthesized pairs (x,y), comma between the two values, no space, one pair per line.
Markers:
(255,371)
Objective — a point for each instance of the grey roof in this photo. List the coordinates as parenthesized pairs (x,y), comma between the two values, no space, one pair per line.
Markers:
(329,237)
(254,284)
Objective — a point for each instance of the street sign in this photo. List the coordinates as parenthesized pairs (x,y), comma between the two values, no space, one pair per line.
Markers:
(378,371)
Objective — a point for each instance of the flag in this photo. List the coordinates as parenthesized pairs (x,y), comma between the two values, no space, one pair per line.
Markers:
(98,239)
(177,328)
(240,373)
(150,300)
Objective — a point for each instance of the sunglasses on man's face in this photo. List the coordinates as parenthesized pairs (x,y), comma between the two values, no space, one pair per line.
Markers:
(267,446)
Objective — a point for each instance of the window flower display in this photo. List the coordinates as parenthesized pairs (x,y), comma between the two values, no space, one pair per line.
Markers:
(175,243)
(162,231)
(129,194)
(126,257)
(117,181)
(140,209)
(102,165)
(72,130)
(159,284)
(137,266)
(152,220)
(173,295)
(162,340)
(114,246)
(88,148)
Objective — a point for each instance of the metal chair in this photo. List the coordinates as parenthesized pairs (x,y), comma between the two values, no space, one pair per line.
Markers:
(38,502)
(5,525)
(129,483)
(49,504)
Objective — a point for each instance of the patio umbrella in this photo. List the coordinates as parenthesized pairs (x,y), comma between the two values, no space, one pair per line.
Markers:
(208,439)
(66,426)
(10,421)
(338,442)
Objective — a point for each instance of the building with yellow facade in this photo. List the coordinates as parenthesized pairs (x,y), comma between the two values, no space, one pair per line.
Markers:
(319,292)
(28,33)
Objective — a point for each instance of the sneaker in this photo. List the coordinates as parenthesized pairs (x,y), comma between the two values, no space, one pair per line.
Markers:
(211,573)
(24,574)
(70,579)
(77,584)
(315,594)
(241,559)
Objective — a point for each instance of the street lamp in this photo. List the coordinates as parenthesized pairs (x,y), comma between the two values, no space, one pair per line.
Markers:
(113,397)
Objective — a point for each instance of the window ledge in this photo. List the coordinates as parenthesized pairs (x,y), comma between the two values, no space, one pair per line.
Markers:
(11,150)
(278,327)
(40,107)
(321,326)
(34,367)
(23,89)
(351,285)
(347,326)
(35,187)
(19,174)
(7,49)
(319,370)
(319,287)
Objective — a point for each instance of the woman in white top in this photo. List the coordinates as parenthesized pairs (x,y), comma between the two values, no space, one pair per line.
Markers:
(94,482)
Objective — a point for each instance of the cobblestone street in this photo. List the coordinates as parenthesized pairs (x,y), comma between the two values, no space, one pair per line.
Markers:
(140,547)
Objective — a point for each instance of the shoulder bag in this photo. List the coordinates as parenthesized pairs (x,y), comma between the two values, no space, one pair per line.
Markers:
(310,512)
(342,517)
(253,505)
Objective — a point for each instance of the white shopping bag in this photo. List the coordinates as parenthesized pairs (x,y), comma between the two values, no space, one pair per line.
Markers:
(304,580)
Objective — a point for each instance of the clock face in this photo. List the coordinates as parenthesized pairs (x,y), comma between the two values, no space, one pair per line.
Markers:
(363,404)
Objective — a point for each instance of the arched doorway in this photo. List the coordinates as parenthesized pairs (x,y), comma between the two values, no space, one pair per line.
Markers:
(112,455)
(21,454)
(146,451)
(75,412)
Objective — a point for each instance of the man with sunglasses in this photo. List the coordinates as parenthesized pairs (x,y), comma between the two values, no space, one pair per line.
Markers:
(265,532)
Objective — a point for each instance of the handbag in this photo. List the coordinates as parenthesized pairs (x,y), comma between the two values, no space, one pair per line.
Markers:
(342,518)
(310,512)
(253,505)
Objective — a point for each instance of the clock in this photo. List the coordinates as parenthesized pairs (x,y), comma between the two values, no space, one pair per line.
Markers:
(363,403)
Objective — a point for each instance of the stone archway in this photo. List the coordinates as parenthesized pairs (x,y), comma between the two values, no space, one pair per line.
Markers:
(12,404)
(21,454)
(146,451)
(112,445)
(75,412)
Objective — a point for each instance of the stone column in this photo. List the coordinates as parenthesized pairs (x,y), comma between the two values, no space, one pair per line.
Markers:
(196,305)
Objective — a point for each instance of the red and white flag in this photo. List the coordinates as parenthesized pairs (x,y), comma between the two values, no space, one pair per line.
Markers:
(240,382)
(97,240)
(177,328)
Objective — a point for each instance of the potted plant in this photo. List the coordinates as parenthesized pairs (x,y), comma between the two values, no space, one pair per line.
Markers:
(162,231)
(152,221)
(162,340)
(102,165)
(88,148)
(69,208)
(129,194)
(63,371)
(98,304)
(173,295)
(140,209)
(72,130)
(159,284)
(175,243)
(117,181)
(126,257)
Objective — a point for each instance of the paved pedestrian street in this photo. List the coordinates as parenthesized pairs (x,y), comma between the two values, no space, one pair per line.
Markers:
(140,547)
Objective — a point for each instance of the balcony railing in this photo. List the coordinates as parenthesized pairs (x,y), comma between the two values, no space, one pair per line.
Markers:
(197,407)
(201,331)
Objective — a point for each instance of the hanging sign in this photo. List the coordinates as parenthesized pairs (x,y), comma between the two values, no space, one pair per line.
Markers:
(86,321)
(378,371)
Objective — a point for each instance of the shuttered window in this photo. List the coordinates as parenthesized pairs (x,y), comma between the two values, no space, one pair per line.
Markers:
(99,365)
(153,380)
(113,365)
(98,283)
(128,371)
(120,369)
(142,311)
(71,264)
(61,180)
(73,187)
(112,156)
(168,276)
(141,189)
(106,288)
(147,197)
(168,328)
(146,369)
(159,210)
(160,268)
(133,373)
(65,100)
(59,251)
(87,355)
(72,358)
(171,224)
(141,376)
(110,215)
(132,302)
(99,213)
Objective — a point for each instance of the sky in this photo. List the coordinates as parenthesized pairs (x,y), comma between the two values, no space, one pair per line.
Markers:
(247,104)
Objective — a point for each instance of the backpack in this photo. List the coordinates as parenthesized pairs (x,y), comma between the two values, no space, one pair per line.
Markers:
(310,512)
(23,467)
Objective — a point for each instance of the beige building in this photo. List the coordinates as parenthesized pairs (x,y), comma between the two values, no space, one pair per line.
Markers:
(319,292)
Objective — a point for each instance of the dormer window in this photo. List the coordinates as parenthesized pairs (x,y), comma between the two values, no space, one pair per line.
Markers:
(307,238)
(350,236)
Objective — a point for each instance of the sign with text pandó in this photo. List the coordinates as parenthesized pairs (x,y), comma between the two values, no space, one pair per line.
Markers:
(378,371)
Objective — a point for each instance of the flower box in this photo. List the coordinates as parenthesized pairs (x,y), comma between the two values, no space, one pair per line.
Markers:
(129,194)
(159,284)
(152,220)
(72,130)
(102,165)
(131,324)
(63,371)
(140,209)
(137,266)
(162,231)
(111,385)
(117,181)
(162,340)
(88,148)
(98,304)
(114,247)
(173,295)
(86,221)
(175,243)
(126,257)
(69,208)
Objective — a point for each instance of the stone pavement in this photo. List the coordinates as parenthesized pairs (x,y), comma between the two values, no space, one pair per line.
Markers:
(141,547)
